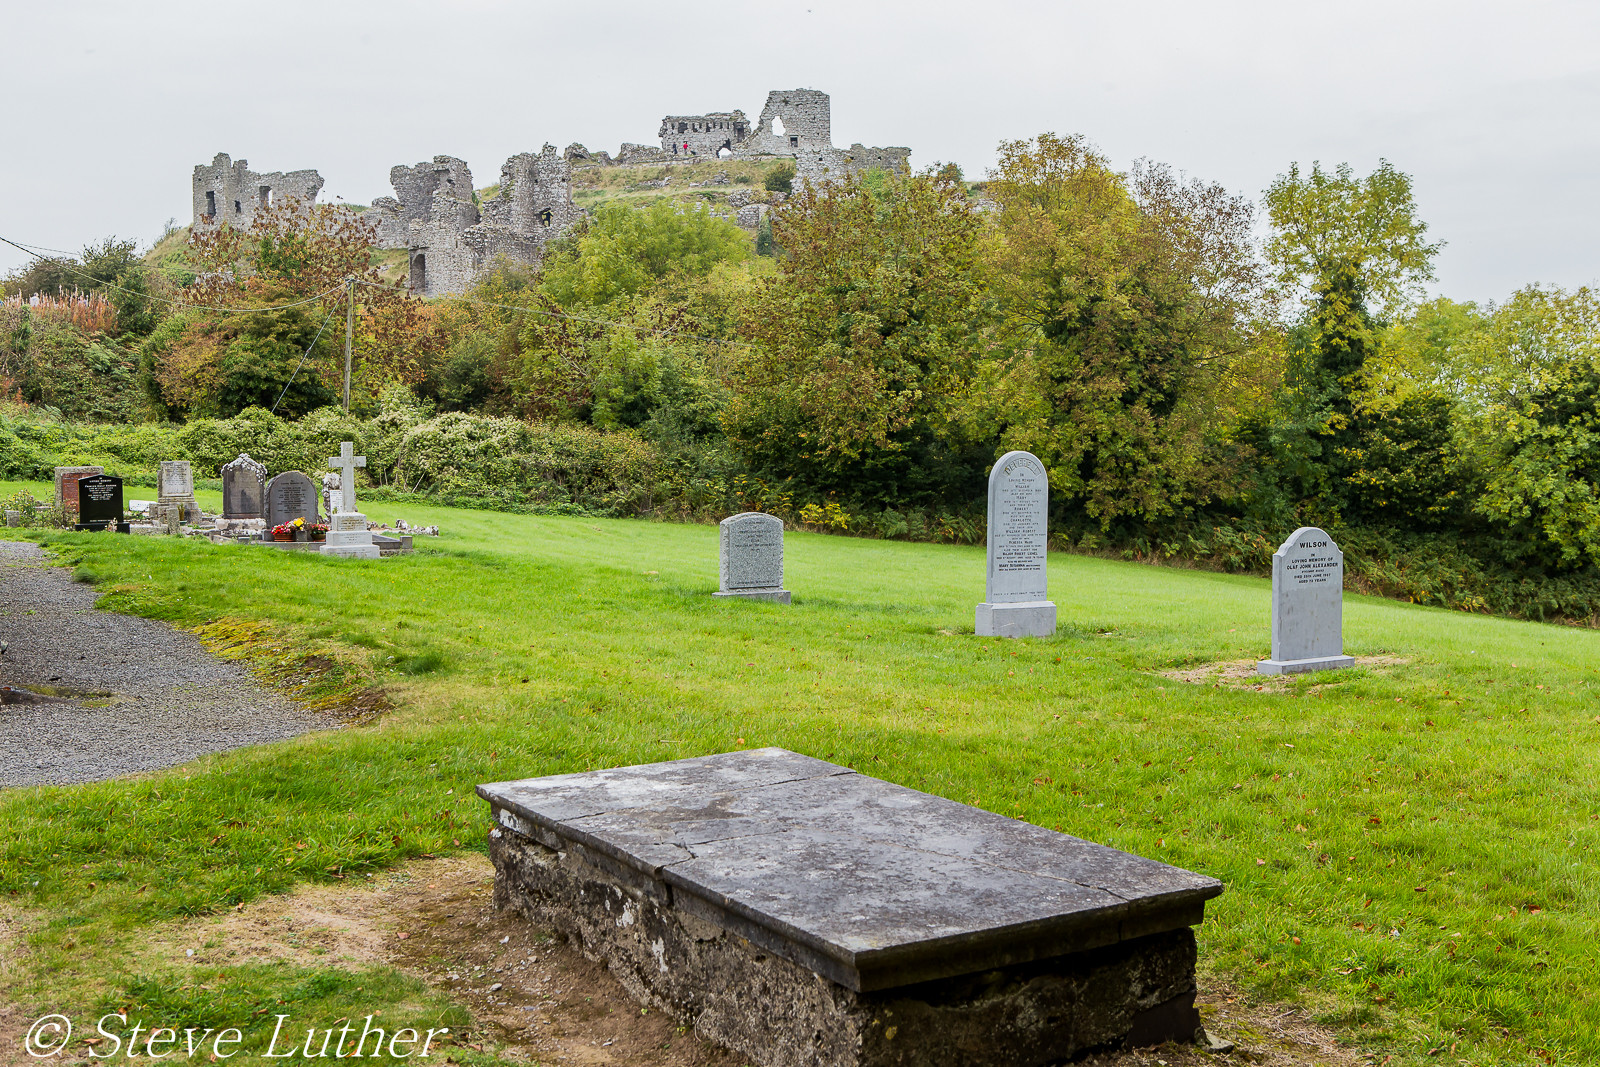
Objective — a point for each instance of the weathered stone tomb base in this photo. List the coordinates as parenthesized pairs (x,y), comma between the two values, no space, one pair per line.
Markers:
(1034,618)
(782,1014)
(1304,666)
(777,596)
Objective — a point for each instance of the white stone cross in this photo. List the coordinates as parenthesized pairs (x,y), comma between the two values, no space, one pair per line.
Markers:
(346,463)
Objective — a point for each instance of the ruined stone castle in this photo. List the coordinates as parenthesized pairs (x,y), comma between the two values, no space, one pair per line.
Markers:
(450,238)
(794,122)
(229,192)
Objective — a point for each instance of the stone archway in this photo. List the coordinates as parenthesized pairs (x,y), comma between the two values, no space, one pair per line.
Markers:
(419,273)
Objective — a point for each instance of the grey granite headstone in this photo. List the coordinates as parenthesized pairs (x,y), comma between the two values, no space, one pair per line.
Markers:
(882,906)
(1307,605)
(1017,599)
(243,484)
(290,496)
(750,557)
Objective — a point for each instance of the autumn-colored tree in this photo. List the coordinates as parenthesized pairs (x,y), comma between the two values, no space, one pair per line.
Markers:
(1330,222)
(262,295)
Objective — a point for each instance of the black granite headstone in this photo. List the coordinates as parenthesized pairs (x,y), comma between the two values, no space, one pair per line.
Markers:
(290,496)
(99,502)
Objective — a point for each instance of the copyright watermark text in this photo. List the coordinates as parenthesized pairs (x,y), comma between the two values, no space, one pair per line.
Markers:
(51,1035)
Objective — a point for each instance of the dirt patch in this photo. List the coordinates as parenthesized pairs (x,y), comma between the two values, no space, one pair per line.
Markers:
(533,997)
(14,1019)
(1242,674)
(536,998)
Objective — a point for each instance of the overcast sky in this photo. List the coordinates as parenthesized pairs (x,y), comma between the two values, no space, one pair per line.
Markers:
(1493,107)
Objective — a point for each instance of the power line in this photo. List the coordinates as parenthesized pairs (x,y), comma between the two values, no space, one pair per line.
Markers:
(303,356)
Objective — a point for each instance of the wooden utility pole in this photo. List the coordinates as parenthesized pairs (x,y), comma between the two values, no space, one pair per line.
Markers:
(349,333)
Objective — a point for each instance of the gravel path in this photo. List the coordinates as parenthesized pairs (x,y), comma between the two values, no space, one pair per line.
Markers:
(169,700)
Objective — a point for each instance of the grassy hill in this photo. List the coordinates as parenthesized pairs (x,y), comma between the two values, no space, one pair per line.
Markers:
(1407,846)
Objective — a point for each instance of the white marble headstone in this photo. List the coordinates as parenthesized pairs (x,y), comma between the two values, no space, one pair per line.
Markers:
(1307,605)
(1017,599)
(750,557)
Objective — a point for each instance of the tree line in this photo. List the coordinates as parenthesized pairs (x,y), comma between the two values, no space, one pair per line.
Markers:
(890,335)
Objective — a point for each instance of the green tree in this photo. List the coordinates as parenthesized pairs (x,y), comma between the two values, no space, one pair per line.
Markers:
(1325,223)
(863,340)
(1530,382)
(1358,433)
(1131,304)
(625,251)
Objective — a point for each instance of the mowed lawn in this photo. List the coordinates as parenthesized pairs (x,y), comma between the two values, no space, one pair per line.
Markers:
(1407,847)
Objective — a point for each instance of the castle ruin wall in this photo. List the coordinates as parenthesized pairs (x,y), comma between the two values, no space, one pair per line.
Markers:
(230,192)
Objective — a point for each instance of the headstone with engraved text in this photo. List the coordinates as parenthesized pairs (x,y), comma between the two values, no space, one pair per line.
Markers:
(1307,605)
(1017,598)
(751,558)
(176,486)
(67,479)
(290,496)
(100,503)
(348,536)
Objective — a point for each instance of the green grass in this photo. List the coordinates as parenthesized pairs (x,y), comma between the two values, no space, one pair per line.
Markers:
(1407,849)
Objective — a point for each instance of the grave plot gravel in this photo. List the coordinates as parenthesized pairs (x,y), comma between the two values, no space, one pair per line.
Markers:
(170,700)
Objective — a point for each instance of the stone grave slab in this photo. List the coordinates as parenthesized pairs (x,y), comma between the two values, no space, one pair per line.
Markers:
(750,558)
(290,496)
(1016,599)
(1307,605)
(100,503)
(802,913)
(67,479)
(244,483)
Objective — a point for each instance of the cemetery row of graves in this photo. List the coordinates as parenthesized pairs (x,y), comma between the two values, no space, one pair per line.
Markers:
(284,511)
(1378,860)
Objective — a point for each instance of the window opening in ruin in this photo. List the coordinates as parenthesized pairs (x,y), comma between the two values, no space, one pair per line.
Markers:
(794,142)
(211,204)
(683,127)
(419,272)
(266,196)
(545,216)
(777,126)
(726,150)
(238,208)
